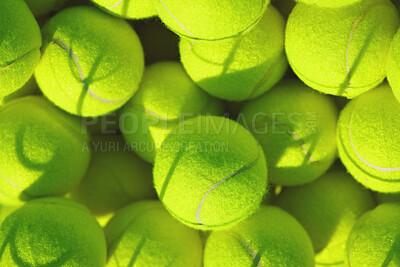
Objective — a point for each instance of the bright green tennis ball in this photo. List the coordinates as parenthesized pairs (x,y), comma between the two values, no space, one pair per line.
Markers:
(166,97)
(239,68)
(375,239)
(20,43)
(115,177)
(92,62)
(296,126)
(341,51)
(211,173)
(208,19)
(368,128)
(328,208)
(145,234)
(52,232)
(394,66)
(129,9)
(41,150)
(330,3)
(271,237)
(43,7)
(30,88)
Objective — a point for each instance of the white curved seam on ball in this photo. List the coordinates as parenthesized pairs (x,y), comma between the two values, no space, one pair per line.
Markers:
(75,58)
(381,169)
(116,5)
(214,186)
(189,49)
(355,24)
(16,60)
(172,15)
(248,247)
(11,183)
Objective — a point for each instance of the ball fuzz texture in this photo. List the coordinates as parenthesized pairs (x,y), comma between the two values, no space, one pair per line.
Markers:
(296,127)
(328,208)
(41,150)
(128,9)
(329,3)
(211,173)
(367,142)
(394,66)
(166,96)
(20,42)
(115,177)
(375,239)
(42,7)
(210,20)
(52,232)
(341,51)
(271,237)
(239,68)
(147,235)
(92,63)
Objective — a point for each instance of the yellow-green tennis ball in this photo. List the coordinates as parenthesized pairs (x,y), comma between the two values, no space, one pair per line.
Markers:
(92,62)
(128,9)
(296,126)
(210,20)
(328,208)
(20,43)
(43,7)
(30,88)
(52,232)
(367,139)
(145,234)
(329,3)
(210,173)
(239,68)
(341,51)
(115,177)
(166,97)
(271,237)
(41,150)
(285,7)
(394,66)
(374,240)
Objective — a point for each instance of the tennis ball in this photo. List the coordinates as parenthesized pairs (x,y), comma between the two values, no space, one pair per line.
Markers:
(43,7)
(285,7)
(103,125)
(145,234)
(128,9)
(330,3)
(41,150)
(239,68)
(52,232)
(298,137)
(394,66)
(341,51)
(327,208)
(375,239)
(30,88)
(210,20)
(210,173)
(20,43)
(92,63)
(166,97)
(271,237)
(115,177)
(367,143)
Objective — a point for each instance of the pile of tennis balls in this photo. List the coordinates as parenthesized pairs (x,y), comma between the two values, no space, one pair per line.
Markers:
(199,133)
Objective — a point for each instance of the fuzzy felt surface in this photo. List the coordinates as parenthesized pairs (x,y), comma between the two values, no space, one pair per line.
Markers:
(145,234)
(129,9)
(211,173)
(271,237)
(330,3)
(394,66)
(367,134)
(52,232)
(341,51)
(296,127)
(86,70)
(43,7)
(239,68)
(41,150)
